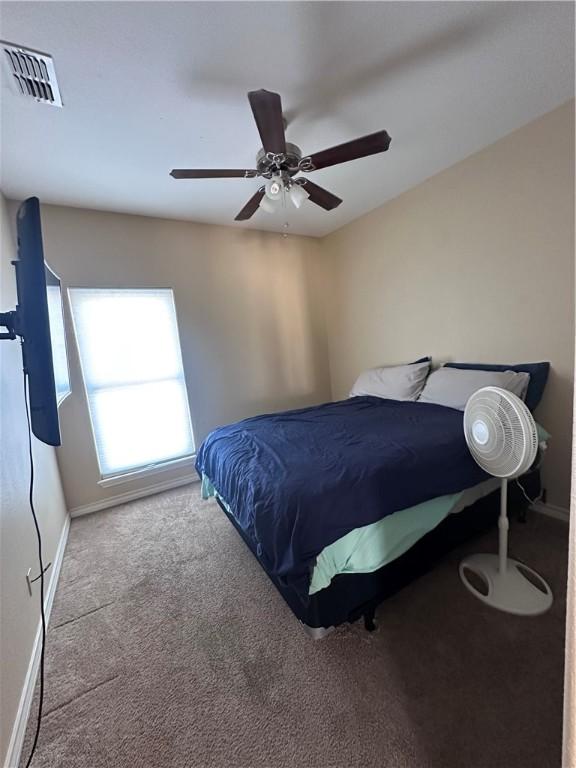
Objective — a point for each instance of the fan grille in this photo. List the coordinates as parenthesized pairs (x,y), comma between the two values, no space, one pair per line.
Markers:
(500,432)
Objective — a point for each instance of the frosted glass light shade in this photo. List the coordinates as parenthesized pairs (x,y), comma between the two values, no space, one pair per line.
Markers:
(267,205)
(298,194)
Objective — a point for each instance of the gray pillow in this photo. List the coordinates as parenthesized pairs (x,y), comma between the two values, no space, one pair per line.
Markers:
(453,386)
(395,382)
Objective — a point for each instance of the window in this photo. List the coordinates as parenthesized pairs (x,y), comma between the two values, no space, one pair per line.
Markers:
(132,369)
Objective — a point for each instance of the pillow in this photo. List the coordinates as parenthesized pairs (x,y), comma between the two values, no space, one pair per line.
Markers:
(452,387)
(538,376)
(396,382)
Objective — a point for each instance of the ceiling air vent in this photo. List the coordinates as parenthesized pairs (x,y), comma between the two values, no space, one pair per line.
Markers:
(34,74)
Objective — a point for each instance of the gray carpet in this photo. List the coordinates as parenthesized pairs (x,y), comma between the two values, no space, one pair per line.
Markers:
(168,646)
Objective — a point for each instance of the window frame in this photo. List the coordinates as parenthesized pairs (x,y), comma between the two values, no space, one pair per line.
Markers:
(122,476)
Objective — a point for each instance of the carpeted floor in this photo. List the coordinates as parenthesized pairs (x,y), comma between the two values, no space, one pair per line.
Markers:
(168,646)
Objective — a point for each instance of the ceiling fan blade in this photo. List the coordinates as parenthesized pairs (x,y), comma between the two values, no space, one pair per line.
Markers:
(267,111)
(212,173)
(251,206)
(321,196)
(351,150)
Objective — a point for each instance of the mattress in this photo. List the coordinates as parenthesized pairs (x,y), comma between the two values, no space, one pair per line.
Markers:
(297,481)
(294,479)
(370,547)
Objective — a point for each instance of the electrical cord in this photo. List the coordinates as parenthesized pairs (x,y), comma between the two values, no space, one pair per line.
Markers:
(41,563)
(528,499)
(537,464)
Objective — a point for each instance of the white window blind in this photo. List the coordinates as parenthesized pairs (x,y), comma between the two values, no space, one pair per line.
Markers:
(132,369)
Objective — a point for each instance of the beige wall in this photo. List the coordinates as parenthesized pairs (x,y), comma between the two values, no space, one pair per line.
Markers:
(475,264)
(19,614)
(251,326)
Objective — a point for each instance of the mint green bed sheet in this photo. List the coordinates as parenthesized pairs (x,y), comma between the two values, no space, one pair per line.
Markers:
(366,549)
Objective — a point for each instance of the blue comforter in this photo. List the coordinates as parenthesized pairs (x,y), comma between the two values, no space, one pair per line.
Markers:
(298,481)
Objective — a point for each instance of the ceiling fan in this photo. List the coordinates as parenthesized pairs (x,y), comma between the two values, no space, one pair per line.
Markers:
(279,161)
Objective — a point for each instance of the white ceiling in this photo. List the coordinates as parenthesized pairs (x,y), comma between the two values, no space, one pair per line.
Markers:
(152,86)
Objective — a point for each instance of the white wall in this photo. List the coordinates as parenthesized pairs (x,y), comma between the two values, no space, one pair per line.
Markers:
(475,264)
(250,320)
(19,614)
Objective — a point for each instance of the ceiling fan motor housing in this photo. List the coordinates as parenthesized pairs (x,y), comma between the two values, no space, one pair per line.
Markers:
(269,164)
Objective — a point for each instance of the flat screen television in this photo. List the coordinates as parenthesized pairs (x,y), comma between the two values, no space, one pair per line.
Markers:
(39,321)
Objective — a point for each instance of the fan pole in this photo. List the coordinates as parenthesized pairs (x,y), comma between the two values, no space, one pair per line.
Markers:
(503,526)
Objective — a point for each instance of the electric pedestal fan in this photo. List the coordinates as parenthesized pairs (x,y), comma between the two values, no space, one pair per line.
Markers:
(501,435)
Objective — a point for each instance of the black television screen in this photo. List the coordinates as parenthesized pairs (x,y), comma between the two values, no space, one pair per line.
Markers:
(39,320)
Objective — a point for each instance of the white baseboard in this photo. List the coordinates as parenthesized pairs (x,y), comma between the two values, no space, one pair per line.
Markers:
(19,727)
(122,498)
(551,510)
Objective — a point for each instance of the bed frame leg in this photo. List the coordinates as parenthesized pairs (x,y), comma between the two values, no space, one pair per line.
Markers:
(369,624)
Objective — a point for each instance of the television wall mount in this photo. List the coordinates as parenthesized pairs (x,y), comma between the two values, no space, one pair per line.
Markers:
(10,321)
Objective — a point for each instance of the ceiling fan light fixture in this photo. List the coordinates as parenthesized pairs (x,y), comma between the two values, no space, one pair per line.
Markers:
(298,194)
(267,205)
(274,188)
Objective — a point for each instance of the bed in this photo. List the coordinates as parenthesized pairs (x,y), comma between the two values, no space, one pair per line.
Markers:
(344,503)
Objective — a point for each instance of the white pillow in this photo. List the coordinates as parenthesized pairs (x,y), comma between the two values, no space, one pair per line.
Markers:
(397,382)
(453,386)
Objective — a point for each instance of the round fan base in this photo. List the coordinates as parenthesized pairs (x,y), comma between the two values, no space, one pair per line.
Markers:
(513,591)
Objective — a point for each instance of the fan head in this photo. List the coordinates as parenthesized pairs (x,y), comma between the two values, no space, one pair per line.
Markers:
(500,432)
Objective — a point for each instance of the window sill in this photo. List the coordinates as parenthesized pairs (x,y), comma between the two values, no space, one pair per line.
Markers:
(153,469)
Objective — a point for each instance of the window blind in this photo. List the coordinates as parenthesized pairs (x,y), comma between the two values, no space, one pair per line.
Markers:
(132,370)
